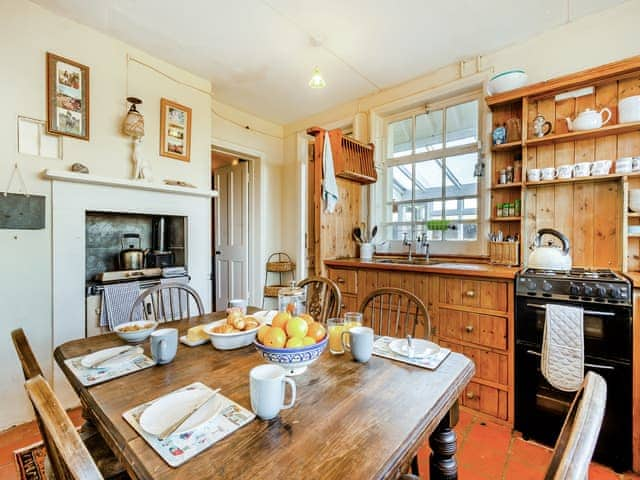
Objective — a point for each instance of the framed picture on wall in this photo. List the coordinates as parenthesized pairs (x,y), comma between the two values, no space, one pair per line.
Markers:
(175,130)
(67,97)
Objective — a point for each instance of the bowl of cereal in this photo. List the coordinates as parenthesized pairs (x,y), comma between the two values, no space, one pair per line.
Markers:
(134,332)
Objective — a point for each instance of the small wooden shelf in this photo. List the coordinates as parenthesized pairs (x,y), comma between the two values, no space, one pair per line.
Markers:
(633,214)
(633,235)
(584,134)
(500,186)
(596,178)
(506,146)
(506,219)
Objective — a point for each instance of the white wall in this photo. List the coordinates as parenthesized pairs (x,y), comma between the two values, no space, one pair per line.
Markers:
(27,32)
(590,41)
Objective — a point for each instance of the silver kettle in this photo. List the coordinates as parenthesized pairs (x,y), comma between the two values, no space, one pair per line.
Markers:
(131,257)
(550,257)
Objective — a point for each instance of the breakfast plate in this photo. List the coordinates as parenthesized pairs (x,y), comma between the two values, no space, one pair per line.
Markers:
(169,409)
(265,316)
(421,348)
(111,357)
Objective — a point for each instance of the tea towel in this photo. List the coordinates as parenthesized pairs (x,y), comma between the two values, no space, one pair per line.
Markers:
(562,361)
(117,302)
(329,184)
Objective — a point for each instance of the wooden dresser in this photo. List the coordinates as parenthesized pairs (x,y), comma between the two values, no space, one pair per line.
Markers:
(471,311)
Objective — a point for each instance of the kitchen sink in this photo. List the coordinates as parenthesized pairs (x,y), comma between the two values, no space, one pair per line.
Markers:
(406,261)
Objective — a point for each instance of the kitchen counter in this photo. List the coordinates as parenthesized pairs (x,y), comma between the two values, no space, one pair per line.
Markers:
(446,267)
(634,277)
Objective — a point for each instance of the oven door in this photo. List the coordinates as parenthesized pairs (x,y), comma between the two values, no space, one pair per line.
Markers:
(607,328)
(540,409)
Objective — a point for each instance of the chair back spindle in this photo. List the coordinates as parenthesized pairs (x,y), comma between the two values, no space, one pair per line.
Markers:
(167,301)
(395,312)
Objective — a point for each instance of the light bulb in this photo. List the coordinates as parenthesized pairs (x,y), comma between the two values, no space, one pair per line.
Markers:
(316,79)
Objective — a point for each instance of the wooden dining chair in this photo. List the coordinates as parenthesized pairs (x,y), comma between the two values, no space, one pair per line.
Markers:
(395,312)
(165,302)
(68,455)
(579,435)
(324,299)
(109,465)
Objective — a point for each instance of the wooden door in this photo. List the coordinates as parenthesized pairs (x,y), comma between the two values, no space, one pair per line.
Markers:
(232,233)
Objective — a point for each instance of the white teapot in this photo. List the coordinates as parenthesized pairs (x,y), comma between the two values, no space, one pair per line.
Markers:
(588,120)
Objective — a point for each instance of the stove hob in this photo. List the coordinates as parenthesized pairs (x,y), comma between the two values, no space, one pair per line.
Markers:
(574,274)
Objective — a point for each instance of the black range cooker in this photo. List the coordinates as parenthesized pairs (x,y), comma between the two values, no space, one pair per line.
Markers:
(605,297)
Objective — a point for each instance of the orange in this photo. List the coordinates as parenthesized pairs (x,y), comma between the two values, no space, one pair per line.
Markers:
(291,308)
(262,332)
(317,331)
(306,341)
(275,337)
(280,320)
(297,327)
(295,342)
(307,318)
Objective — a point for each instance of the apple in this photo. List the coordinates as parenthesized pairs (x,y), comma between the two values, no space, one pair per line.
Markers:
(306,341)
(297,327)
(295,342)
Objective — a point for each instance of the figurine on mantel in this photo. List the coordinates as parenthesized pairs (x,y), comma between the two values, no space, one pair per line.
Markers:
(134,127)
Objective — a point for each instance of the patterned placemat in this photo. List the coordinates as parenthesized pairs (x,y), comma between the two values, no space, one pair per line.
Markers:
(178,448)
(431,362)
(93,376)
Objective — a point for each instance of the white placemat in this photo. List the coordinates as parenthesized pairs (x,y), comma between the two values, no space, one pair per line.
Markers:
(381,349)
(93,376)
(178,448)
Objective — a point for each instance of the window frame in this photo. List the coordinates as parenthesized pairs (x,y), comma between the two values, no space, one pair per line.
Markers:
(469,247)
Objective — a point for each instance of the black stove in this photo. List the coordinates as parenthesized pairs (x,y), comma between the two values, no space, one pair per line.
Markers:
(577,284)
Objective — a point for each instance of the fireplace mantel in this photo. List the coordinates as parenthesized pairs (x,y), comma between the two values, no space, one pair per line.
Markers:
(75,177)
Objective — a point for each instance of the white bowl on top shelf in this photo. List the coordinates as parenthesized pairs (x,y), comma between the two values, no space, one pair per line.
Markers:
(634,199)
(507,80)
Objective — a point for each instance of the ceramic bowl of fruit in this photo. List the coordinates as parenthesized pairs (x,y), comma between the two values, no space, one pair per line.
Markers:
(293,342)
(236,331)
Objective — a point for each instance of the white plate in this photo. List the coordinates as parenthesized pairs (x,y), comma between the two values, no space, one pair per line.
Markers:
(421,348)
(265,316)
(109,352)
(183,339)
(167,410)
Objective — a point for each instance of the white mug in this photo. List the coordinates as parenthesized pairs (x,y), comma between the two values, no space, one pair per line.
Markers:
(624,165)
(533,174)
(240,303)
(360,343)
(601,167)
(582,169)
(366,251)
(549,173)
(266,387)
(164,345)
(565,171)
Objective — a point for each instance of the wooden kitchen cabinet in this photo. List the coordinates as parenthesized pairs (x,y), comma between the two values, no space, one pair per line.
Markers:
(469,315)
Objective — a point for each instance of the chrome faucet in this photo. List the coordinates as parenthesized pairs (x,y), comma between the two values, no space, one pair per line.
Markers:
(424,244)
(407,243)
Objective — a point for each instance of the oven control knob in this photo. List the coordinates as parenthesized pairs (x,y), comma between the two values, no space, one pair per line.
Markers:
(600,291)
(546,286)
(615,292)
(531,285)
(574,289)
(588,290)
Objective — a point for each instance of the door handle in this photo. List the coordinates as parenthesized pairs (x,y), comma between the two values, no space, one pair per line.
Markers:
(586,312)
(218,252)
(588,365)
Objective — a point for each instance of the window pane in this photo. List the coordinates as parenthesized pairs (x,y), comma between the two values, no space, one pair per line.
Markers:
(429,131)
(462,124)
(460,181)
(396,231)
(428,183)
(399,182)
(400,138)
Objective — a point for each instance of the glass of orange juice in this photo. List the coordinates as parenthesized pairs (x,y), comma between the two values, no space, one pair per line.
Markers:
(335,326)
(352,319)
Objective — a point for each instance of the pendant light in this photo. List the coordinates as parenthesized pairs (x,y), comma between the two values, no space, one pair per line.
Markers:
(316,79)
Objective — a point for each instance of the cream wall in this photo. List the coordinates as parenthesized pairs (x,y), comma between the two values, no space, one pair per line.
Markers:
(604,37)
(27,32)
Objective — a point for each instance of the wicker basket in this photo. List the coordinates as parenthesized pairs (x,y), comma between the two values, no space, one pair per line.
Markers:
(281,266)
(272,290)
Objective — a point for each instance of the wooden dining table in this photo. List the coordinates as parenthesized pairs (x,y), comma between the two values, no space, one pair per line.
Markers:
(350,420)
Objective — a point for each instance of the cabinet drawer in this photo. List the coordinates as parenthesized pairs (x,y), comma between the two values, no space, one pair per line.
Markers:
(490,366)
(349,304)
(487,294)
(347,280)
(486,399)
(486,330)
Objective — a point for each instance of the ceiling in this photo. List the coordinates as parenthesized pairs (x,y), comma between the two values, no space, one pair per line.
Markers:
(259,54)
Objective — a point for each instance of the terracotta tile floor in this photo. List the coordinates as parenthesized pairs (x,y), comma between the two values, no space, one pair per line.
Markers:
(486,451)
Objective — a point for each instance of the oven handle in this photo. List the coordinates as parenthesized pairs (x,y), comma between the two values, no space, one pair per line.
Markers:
(590,365)
(587,312)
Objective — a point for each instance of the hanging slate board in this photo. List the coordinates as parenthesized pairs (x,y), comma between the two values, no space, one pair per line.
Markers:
(19,212)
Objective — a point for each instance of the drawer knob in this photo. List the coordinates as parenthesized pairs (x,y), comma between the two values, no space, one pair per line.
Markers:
(469,328)
(340,280)
(471,395)
(470,293)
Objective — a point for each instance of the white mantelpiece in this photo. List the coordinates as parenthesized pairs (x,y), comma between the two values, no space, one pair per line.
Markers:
(76,177)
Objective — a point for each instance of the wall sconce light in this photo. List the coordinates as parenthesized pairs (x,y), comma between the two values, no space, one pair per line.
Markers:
(133,127)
